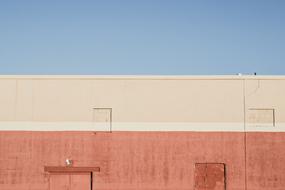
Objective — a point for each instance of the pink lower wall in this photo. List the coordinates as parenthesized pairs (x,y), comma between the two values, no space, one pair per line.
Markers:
(143,160)
(266,161)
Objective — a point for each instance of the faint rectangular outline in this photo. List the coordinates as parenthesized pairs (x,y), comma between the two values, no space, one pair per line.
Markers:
(104,108)
(268,109)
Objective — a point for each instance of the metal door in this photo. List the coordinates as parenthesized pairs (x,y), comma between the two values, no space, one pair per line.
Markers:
(59,182)
(80,182)
(70,181)
(210,176)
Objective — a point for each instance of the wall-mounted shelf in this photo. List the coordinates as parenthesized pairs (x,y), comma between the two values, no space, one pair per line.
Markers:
(67,169)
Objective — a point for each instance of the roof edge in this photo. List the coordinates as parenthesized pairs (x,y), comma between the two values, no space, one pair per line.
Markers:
(149,77)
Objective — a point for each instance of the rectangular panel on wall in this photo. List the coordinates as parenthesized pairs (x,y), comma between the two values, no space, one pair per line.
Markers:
(80,182)
(261,117)
(102,118)
(70,181)
(210,176)
(59,182)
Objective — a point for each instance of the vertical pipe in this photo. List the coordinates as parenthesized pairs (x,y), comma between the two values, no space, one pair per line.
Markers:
(91,180)
(245,134)
(111,120)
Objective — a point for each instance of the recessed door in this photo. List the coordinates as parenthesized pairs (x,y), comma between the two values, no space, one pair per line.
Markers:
(70,181)
(210,176)
(59,182)
(80,182)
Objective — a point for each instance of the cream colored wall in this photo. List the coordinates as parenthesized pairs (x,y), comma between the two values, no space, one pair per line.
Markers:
(7,99)
(139,99)
(179,101)
(266,95)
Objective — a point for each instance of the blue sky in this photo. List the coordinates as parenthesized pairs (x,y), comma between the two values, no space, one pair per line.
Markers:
(178,37)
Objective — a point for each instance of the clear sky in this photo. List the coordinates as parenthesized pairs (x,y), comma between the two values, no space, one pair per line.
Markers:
(142,37)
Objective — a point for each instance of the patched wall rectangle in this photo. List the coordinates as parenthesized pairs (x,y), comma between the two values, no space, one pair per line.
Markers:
(210,176)
(102,118)
(261,117)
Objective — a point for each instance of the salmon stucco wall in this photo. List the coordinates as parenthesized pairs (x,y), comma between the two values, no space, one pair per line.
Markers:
(128,160)
(265,161)
(143,160)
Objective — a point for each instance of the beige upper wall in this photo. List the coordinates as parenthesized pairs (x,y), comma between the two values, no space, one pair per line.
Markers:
(139,99)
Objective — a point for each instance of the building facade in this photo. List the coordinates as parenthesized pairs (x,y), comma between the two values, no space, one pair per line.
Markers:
(142,132)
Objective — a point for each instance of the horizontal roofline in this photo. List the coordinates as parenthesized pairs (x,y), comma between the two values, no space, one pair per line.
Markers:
(149,77)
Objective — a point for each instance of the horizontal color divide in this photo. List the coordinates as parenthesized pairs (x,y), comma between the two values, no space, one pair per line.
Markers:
(139,126)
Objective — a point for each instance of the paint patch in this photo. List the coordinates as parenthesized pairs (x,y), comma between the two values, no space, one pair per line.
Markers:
(210,176)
